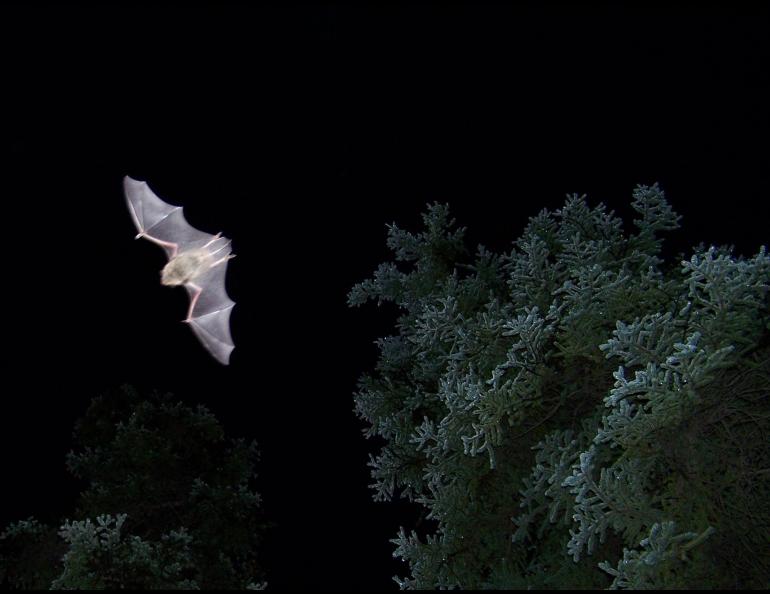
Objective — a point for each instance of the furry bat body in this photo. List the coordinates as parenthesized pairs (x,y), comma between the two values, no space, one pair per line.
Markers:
(196,260)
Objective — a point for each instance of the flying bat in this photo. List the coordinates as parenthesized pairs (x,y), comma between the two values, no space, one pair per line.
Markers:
(196,260)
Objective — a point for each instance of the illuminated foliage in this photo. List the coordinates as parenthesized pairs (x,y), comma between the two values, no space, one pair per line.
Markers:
(167,505)
(575,413)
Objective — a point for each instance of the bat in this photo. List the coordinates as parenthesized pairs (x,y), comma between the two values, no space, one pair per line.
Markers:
(196,260)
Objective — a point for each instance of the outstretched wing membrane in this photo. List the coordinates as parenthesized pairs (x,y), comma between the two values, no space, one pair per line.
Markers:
(164,224)
(158,220)
(210,314)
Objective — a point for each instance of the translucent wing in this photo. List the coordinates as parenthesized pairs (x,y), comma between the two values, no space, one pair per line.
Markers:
(210,314)
(164,224)
(160,221)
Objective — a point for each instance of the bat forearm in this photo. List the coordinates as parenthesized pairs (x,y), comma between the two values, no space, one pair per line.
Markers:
(193,300)
(164,244)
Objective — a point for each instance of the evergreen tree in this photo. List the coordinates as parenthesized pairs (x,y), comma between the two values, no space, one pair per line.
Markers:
(167,505)
(576,413)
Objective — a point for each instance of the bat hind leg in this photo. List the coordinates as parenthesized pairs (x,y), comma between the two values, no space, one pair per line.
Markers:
(222,260)
(213,239)
(216,248)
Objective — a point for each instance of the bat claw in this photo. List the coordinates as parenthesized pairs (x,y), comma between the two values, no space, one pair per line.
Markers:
(213,239)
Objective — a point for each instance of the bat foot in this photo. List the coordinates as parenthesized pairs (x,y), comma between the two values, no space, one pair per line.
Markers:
(213,239)
(223,260)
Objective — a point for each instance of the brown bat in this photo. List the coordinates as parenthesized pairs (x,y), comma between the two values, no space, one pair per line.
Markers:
(196,260)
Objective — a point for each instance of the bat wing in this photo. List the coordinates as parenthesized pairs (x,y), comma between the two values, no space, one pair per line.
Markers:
(210,314)
(159,221)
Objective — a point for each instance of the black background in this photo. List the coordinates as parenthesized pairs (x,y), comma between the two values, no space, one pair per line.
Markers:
(299,131)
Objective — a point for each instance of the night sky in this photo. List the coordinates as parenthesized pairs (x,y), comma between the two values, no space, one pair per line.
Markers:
(299,132)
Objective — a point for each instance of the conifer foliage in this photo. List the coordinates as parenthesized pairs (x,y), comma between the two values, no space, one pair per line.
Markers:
(167,505)
(577,412)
